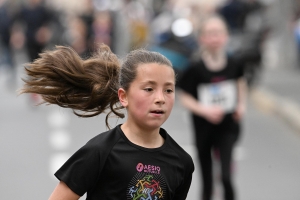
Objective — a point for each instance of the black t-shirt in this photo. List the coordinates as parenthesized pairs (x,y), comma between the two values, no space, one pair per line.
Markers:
(213,87)
(109,166)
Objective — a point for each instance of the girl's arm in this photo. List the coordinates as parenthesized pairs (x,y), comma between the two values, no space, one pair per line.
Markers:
(213,114)
(242,99)
(63,192)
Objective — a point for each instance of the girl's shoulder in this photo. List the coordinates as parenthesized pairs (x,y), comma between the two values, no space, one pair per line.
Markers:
(196,61)
(174,146)
(105,139)
(194,67)
(235,60)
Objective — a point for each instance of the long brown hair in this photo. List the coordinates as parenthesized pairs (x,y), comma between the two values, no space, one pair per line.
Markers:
(89,87)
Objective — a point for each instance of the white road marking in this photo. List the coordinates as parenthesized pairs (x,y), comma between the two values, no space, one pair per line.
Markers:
(60,140)
(57,119)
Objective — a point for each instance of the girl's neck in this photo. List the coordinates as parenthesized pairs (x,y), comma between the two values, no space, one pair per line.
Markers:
(142,137)
(145,138)
(214,60)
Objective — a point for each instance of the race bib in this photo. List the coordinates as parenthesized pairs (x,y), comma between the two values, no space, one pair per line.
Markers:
(222,93)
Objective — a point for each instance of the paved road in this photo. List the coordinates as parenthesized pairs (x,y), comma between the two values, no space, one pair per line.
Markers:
(35,140)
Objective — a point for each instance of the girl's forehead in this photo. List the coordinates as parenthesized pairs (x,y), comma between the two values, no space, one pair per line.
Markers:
(155,70)
(152,67)
(214,23)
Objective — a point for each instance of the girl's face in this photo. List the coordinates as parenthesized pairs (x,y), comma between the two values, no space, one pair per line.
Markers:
(213,36)
(150,97)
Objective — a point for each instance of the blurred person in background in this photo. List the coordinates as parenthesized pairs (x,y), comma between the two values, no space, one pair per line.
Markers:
(83,35)
(98,21)
(296,28)
(76,36)
(8,10)
(106,22)
(171,34)
(87,16)
(256,29)
(35,18)
(213,89)
(248,28)
(234,13)
(201,10)
(139,16)
(102,28)
(7,18)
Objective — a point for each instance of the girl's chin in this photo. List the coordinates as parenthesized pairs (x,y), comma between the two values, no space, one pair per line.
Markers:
(154,126)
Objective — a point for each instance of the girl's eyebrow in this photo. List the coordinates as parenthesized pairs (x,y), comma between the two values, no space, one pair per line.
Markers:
(154,83)
(169,83)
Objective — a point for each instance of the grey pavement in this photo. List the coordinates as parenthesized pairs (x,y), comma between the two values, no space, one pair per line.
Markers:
(278,89)
(279,94)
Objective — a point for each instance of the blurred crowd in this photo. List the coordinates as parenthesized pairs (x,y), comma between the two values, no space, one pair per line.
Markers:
(166,26)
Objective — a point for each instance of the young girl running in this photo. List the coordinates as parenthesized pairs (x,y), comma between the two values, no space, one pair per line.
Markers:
(135,160)
(213,89)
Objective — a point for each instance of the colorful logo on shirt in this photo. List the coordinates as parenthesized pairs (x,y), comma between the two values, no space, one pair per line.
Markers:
(146,186)
(148,168)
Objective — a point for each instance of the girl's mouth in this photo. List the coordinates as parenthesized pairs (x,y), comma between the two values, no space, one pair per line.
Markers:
(157,112)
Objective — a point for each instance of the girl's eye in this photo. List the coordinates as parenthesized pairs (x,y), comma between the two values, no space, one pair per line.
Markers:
(148,89)
(169,90)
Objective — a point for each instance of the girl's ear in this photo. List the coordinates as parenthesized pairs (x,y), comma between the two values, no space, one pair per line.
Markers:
(123,97)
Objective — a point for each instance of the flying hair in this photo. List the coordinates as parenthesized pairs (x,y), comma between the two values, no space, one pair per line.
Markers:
(89,87)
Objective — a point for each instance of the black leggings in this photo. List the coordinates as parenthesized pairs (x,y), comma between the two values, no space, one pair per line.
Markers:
(223,137)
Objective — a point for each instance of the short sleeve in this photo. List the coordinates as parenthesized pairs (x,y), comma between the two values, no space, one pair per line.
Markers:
(241,69)
(81,170)
(240,65)
(182,191)
(187,81)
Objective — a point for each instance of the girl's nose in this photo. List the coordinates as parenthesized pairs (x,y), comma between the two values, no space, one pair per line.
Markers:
(160,98)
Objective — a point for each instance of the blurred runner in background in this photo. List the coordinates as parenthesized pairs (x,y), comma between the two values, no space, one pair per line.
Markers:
(8,10)
(35,18)
(248,28)
(214,90)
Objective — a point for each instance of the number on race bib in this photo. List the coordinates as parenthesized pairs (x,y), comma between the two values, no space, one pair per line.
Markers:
(223,94)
